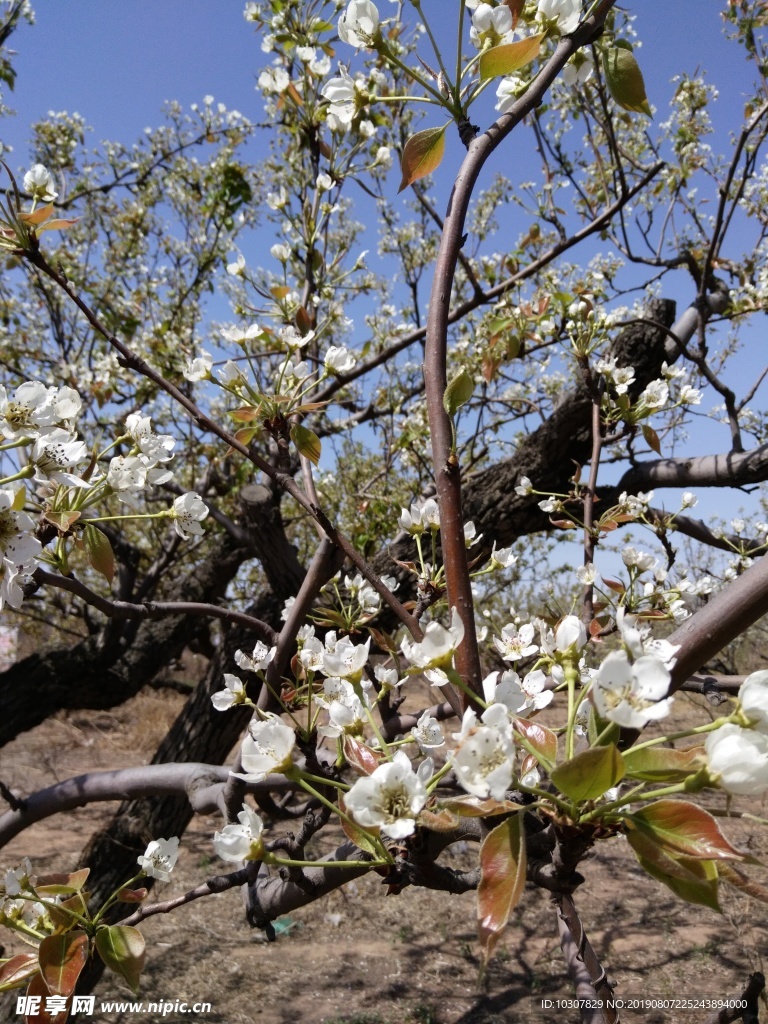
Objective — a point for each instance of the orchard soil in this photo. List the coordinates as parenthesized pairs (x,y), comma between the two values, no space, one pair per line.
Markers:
(362,957)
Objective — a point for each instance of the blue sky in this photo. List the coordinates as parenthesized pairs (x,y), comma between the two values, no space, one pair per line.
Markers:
(117,62)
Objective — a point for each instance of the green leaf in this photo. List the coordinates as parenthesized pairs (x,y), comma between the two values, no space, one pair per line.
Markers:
(694,881)
(458,392)
(502,880)
(123,950)
(625,79)
(99,551)
(62,958)
(61,520)
(509,57)
(307,442)
(587,775)
(17,971)
(663,764)
(422,154)
(686,829)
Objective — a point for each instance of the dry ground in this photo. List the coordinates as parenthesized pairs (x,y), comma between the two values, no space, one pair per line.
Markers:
(360,957)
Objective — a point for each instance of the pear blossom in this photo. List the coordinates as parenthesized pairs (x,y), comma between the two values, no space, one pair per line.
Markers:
(411,521)
(564,13)
(54,454)
(324,182)
(199,368)
(231,376)
(753,697)
(471,536)
(280,252)
(348,660)
(490,25)
(484,761)
(258,660)
(341,94)
(237,268)
(11,593)
(586,574)
(232,694)
(690,395)
(18,544)
(389,798)
(156,447)
(656,395)
(689,500)
(578,71)
(241,842)
(519,696)
(159,858)
(737,759)
(268,747)
(241,335)
(633,558)
(507,92)
(346,712)
(38,181)
(187,513)
(524,487)
(632,693)
(291,337)
(437,648)
(33,409)
(339,359)
(502,558)
(359,24)
(514,644)
(427,732)
(570,633)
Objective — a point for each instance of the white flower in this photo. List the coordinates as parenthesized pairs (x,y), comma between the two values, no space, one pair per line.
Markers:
(739,759)
(38,181)
(339,359)
(490,24)
(258,660)
(187,513)
(689,500)
(236,843)
(280,252)
(524,487)
(436,650)
(689,395)
(411,521)
(571,633)
(348,660)
(577,72)
(55,453)
(753,695)
(33,408)
(514,644)
(291,337)
(550,505)
(656,395)
(471,535)
(199,368)
(383,157)
(484,762)
(11,593)
(427,732)
(519,697)
(622,378)
(586,574)
(389,798)
(241,335)
(237,269)
(637,559)
(324,182)
(268,747)
(234,693)
(564,13)
(159,858)
(359,24)
(503,558)
(508,90)
(346,712)
(632,694)
(18,544)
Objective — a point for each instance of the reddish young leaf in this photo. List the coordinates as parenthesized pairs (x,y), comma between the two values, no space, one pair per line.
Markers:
(356,834)
(478,807)
(17,971)
(651,438)
(62,882)
(422,154)
(132,895)
(542,739)
(62,958)
(502,880)
(37,987)
(360,756)
(663,764)
(509,57)
(687,829)
(694,881)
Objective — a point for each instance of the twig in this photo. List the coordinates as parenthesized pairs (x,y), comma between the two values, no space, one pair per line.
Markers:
(585,968)
(748,1013)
